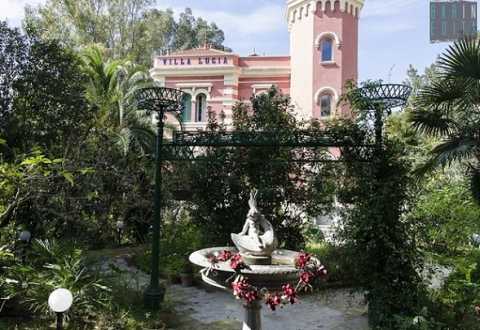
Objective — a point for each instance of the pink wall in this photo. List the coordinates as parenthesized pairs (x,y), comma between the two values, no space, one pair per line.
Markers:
(269,61)
(245,90)
(216,91)
(345,25)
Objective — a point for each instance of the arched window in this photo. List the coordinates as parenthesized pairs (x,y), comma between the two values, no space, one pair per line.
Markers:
(201,107)
(326,48)
(187,108)
(326,103)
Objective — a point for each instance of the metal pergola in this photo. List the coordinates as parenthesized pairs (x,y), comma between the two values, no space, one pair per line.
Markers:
(377,98)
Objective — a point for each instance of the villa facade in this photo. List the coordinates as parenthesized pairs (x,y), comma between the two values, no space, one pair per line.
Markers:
(323,57)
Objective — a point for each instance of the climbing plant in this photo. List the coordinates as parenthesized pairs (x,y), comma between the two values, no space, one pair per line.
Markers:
(375,195)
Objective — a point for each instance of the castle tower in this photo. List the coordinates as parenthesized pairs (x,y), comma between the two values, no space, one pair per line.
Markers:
(324,53)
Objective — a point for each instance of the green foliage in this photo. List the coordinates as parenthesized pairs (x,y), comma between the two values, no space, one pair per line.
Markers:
(54,266)
(131,29)
(35,111)
(180,238)
(13,57)
(339,261)
(110,88)
(445,215)
(447,109)
(222,178)
(455,305)
(376,195)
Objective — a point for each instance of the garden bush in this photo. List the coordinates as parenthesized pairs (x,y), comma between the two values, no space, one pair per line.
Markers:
(180,237)
(445,215)
(338,260)
(49,266)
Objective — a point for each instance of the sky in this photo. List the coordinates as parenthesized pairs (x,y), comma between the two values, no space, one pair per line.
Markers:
(393,33)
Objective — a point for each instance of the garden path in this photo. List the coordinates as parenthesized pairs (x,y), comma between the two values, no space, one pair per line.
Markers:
(330,310)
(212,309)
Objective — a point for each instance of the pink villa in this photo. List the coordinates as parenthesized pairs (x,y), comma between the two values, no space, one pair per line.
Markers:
(323,57)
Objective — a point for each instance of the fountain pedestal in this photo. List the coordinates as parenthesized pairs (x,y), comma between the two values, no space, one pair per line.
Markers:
(253,317)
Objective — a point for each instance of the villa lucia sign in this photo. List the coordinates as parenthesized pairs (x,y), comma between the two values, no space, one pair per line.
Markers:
(211,60)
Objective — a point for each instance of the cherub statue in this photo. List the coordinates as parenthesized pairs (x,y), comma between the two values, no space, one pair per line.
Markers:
(257,237)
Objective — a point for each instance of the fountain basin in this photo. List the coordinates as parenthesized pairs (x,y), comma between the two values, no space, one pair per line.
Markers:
(281,271)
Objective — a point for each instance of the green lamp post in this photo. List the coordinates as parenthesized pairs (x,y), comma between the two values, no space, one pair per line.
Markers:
(158,100)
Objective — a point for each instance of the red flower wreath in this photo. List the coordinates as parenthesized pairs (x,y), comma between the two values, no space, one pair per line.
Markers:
(310,269)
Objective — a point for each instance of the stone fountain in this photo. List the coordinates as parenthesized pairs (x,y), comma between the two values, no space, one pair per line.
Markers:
(267,267)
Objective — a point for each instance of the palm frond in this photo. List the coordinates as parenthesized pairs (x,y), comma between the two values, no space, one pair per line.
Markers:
(462,59)
(447,152)
(442,92)
(433,123)
(144,138)
(475,184)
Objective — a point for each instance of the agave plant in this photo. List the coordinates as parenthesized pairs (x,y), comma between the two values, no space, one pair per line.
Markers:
(55,266)
(449,109)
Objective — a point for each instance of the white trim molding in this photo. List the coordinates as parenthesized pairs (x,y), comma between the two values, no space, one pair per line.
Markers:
(326,89)
(195,86)
(198,91)
(329,34)
(263,87)
(331,91)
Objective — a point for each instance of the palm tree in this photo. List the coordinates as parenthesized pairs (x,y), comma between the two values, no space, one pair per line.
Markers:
(110,88)
(449,109)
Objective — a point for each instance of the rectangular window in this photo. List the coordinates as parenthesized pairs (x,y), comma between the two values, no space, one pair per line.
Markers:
(454,10)
(444,28)
(432,28)
(473,10)
(433,10)
(443,7)
(327,50)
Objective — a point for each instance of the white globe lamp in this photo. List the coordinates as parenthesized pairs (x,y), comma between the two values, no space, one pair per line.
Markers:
(60,301)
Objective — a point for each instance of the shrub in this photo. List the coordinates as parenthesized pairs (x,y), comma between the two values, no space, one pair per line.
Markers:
(339,262)
(445,215)
(52,266)
(180,237)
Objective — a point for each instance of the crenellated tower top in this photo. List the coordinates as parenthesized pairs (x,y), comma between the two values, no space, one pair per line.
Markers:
(323,54)
(298,9)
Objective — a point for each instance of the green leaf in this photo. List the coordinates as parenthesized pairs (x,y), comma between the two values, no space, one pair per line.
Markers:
(88,170)
(69,177)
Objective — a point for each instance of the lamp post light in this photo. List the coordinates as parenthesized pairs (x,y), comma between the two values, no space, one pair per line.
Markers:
(60,301)
(120,225)
(24,237)
(160,101)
